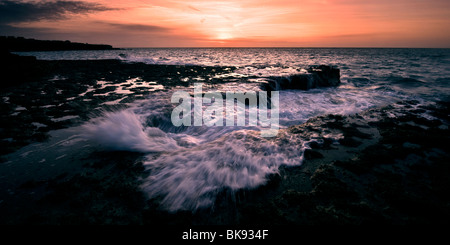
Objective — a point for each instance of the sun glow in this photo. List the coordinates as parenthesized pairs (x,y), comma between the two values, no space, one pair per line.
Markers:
(175,23)
(224,35)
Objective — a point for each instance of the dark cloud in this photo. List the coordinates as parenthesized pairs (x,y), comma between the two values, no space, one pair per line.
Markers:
(25,31)
(137,27)
(19,11)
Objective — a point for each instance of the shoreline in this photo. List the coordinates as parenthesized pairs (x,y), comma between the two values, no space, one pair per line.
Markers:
(41,94)
(383,170)
(389,166)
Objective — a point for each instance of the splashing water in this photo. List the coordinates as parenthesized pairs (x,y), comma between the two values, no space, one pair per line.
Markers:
(123,130)
(189,167)
(191,178)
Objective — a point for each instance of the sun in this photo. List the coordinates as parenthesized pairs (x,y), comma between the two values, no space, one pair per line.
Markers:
(223,34)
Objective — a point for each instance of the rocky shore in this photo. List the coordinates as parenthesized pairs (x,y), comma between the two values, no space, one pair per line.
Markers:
(389,167)
(37,96)
(386,165)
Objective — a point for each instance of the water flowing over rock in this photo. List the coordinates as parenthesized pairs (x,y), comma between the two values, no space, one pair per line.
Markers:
(316,76)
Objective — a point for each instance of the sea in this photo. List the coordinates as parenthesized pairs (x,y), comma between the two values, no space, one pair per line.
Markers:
(188,166)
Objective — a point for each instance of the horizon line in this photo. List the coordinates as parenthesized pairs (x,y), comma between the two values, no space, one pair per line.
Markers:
(330,47)
(224,47)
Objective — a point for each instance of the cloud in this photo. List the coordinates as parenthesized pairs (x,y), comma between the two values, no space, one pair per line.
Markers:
(19,11)
(356,35)
(31,32)
(96,28)
(137,27)
(194,8)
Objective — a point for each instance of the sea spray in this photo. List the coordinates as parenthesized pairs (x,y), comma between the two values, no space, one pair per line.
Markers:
(237,105)
(191,178)
(124,130)
(194,165)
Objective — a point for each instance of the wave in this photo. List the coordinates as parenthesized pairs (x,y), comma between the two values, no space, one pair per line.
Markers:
(191,178)
(407,82)
(152,61)
(124,130)
(360,81)
(189,168)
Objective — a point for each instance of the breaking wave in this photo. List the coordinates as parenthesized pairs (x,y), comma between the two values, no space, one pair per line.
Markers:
(191,178)
(124,130)
(189,166)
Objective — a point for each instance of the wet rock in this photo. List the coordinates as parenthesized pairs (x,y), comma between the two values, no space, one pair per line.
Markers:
(317,76)
(46,91)
(315,145)
(411,145)
(296,198)
(312,154)
(327,75)
(350,141)
(16,69)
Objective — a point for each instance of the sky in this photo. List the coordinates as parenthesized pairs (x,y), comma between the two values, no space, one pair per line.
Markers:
(234,23)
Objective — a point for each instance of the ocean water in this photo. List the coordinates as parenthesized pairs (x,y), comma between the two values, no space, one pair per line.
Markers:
(189,166)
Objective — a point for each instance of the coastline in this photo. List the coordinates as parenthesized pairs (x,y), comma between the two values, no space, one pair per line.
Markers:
(65,81)
(389,167)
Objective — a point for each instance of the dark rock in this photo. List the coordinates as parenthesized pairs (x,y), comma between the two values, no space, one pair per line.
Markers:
(354,132)
(327,185)
(6,56)
(317,76)
(16,69)
(296,198)
(26,44)
(327,76)
(315,145)
(350,142)
(311,154)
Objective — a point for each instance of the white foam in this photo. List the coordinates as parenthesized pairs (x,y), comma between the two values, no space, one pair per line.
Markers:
(191,178)
(298,106)
(89,89)
(193,164)
(38,125)
(64,118)
(197,163)
(20,108)
(123,130)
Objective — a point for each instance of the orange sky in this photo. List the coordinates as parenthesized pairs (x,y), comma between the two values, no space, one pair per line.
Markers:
(242,23)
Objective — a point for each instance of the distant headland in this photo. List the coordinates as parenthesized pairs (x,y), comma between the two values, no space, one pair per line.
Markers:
(19,44)
(19,68)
